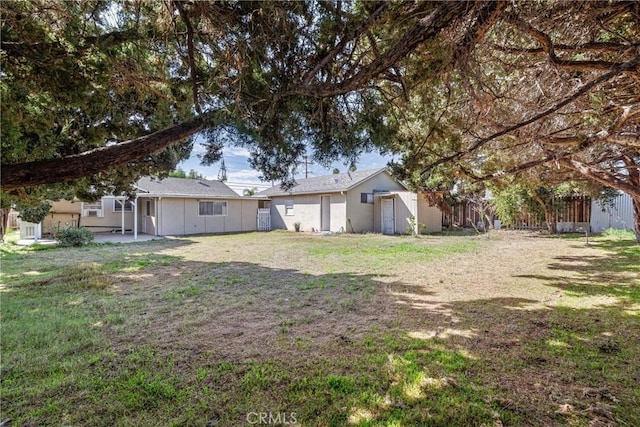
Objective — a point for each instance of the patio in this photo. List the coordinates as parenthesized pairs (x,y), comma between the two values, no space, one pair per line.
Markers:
(99,238)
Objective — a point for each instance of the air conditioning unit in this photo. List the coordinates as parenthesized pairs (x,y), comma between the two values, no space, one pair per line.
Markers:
(92,213)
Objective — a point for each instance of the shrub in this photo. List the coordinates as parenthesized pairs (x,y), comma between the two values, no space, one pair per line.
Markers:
(34,214)
(75,236)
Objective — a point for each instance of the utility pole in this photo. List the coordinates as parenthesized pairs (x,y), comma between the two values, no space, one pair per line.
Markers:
(306,164)
(222,175)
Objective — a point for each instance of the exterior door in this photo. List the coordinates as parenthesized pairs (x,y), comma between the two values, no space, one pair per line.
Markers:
(388,220)
(325,213)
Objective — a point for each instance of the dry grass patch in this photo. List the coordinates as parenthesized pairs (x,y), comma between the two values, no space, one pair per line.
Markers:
(362,330)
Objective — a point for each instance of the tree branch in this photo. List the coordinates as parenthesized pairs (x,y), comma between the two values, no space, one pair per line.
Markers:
(425,29)
(486,18)
(600,176)
(549,48)
(580,48)
(583,90)
(190,53)
(36,50)
(100,159)
(551,156)
(631,141)
(330,56)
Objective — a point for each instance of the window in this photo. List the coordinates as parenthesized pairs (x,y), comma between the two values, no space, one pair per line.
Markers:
(288,207)
(212,208)
(92,209)
(148,208)
(117,205)
(366,197)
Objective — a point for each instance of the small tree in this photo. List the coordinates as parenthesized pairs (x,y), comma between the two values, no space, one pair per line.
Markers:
(193,174)
(178,173)
(34,214)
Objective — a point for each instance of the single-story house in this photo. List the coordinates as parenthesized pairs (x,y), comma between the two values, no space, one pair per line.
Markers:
(352,202)
(169,206)
(180,206)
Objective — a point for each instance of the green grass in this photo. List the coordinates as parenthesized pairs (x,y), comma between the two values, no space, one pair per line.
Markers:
(211,329)
(396,250)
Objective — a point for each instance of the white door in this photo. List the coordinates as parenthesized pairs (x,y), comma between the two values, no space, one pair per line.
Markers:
(388,223)
(146,213)
(325,213)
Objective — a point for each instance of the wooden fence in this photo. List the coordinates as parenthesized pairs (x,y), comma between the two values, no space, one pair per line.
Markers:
(14,221)
(569,210)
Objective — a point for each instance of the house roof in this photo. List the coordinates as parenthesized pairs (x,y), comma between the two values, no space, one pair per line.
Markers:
(185,187)
(326,184)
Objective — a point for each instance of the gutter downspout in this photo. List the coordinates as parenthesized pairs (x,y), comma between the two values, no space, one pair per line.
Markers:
(135,218)
(158,205)
(121,216)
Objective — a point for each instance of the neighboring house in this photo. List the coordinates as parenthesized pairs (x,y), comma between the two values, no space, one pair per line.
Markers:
(107,214)
(180,206)
(353,202)
(170,206)
(618,214)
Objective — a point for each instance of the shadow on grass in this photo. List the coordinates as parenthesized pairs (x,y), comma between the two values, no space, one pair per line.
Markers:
(146,339)
(569,360)
(615,274)
(550,366)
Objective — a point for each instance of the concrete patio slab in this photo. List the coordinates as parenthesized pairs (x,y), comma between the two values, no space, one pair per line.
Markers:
(99,238)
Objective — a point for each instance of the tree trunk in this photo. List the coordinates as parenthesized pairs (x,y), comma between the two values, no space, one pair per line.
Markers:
(636,217)
(4,220)
(549,214)
(550,219)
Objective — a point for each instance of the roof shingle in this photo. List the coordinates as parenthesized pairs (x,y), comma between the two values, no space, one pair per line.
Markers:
(185,187)
(325,184)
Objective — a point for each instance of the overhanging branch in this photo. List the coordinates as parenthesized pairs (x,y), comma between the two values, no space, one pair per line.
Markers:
(425,29)
(577,94)
(100,159)
(601,176)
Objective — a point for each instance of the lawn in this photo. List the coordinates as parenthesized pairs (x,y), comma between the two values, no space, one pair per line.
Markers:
(289,328)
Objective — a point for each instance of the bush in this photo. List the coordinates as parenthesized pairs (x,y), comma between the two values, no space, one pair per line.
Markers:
(34,214)
(79,236)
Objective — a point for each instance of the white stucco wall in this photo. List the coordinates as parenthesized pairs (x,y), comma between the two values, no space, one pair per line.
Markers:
(407,204)
(66,213)
(307,211)
(430,216)
(63,214)
(362,215)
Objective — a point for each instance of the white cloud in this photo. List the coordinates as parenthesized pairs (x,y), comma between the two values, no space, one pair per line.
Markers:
(230,151)
(244,175)
(236,151)
(243,179)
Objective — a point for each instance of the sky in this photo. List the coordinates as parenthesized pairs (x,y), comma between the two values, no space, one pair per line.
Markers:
(241,176)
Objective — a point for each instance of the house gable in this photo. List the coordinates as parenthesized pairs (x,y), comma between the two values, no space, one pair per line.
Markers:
(360,209)
(331,202)
(335,183)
